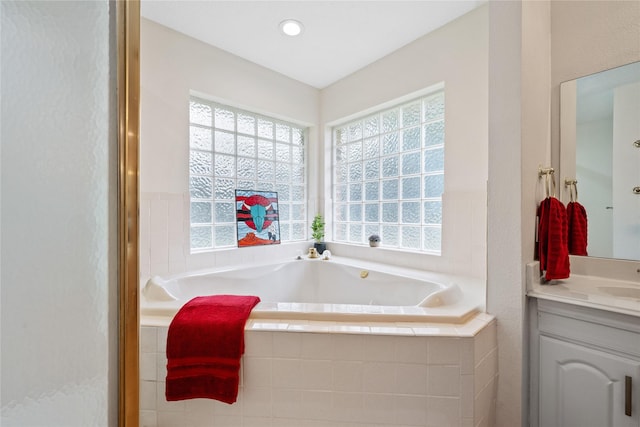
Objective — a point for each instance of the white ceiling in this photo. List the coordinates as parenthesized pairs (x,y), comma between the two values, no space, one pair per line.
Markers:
(339,37)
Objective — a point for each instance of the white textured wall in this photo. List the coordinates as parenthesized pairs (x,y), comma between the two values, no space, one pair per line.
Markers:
(533,47)
(58,293)
(456,54)
(504,212)
(519,90)
(173,64)
(588,37)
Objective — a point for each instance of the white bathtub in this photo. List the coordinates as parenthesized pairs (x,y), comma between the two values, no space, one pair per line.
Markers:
(327,347)
(338,289)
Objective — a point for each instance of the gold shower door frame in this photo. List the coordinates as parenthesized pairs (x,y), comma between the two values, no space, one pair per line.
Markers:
(128,88)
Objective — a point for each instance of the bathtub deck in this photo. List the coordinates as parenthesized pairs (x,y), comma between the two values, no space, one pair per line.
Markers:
(468,329)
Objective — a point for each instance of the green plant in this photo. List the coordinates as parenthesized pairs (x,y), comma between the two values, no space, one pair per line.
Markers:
(317,228)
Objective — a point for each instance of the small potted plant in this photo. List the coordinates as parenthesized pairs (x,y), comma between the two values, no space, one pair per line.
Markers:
(317,228)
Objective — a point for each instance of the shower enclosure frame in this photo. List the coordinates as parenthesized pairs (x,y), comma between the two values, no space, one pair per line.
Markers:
(128,116)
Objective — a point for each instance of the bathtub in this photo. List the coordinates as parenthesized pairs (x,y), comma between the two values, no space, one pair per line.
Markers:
(337,343)
(338,289)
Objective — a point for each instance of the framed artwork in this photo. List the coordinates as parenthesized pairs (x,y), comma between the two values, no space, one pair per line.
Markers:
(257,218)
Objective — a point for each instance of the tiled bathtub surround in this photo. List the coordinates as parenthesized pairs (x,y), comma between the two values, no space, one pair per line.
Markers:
(164,241)
(326,374)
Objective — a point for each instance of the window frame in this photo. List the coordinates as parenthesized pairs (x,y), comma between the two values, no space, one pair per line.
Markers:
(295,198)
(346,210)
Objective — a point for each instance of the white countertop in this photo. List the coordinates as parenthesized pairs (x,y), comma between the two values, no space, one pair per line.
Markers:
(619,296)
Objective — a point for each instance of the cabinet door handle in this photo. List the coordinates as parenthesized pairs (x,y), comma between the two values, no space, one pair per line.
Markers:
(627,395)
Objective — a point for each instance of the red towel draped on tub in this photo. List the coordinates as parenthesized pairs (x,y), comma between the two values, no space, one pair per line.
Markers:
(553,251)
(577,217)
(204,346)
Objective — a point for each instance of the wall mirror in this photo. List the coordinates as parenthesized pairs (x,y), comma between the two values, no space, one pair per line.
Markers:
(600,148)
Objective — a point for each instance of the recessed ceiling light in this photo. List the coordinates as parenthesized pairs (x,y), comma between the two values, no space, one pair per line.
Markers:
(291,27)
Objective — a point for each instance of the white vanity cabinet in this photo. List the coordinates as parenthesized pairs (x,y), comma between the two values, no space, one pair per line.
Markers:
(585,366)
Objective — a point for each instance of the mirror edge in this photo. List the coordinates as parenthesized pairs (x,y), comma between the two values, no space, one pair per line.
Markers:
(567,136)
(567,166)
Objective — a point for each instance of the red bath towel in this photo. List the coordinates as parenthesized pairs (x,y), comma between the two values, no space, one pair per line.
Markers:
(204,347)
(577,217)
(553,250)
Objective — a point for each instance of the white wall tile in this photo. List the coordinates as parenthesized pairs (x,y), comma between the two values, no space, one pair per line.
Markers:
(378,377)
(444,351)
(227,421)
(467,395)
(326,383)
(148,339)
(317,375)
(287,345)
(411,410)
(148,418)
(161,367)
(148,370)
(443,412)
(144,236)
(444,381)
(159,268)
(177,258)
(202,260)
(159,232)
(225,409)
(171,419)
(348,376)
(411,379)
(485,341)
(287,404)
(484,402)
(316,346)
(379,348)
(258,344)
(316,404)
(162,405)
(256,372)
(347,347)
(258,422)
(467,358)
(199,412)
(486,370)
(347,407)
(287,373)
(410,349)
(148,395)
(162,339)
(257,402)
(176,214)
(379,408)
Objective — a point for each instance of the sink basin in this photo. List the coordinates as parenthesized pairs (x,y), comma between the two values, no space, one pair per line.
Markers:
(621,292)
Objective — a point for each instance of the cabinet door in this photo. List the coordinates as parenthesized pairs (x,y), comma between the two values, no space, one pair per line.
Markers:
(583,387)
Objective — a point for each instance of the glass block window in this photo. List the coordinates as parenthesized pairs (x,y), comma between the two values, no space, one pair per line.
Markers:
(235,149)
(389,176)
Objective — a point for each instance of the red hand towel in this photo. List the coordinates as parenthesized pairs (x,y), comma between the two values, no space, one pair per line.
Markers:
(204,346)
(553,250)
(577,217)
